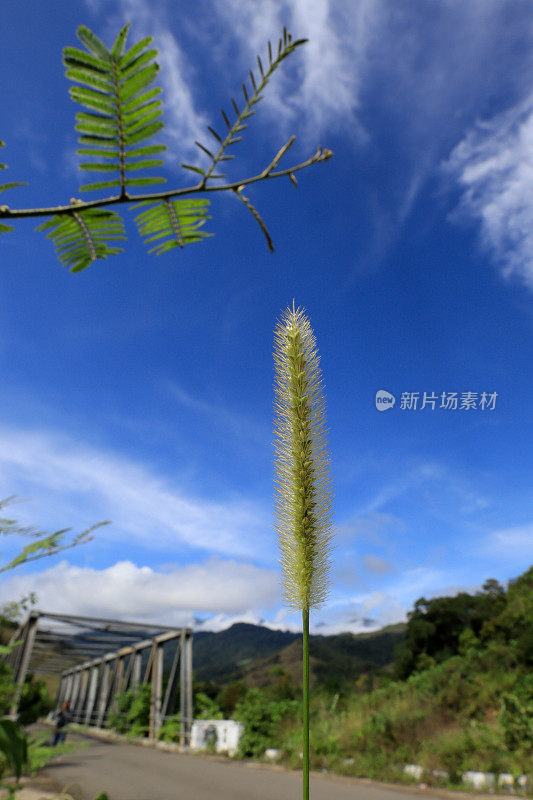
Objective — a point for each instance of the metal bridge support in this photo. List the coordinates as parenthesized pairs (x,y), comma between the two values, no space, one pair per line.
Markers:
(186,709)
(92,687)
(22,655)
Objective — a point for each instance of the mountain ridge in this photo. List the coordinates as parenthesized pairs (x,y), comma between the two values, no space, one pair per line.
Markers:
(249,652)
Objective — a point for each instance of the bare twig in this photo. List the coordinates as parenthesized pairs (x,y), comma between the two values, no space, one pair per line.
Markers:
(200,188)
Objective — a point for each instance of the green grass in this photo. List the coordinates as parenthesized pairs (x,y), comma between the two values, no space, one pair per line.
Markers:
(450,716)
(40,754)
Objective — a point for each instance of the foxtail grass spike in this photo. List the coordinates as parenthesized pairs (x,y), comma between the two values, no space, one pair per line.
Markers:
(303,490)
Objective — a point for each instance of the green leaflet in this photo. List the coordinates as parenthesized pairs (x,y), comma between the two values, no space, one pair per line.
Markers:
(140,121)
(139,80)
(89,78)
(3,188)
(141,99)
(132,54)
(146,151)
(145,109)
(140,134)
(120,112)
(176,221)
(79,58)
(93,43)
(147,163)
(135,65)
(82,237)
(100,127)
(92,99)
(118,47)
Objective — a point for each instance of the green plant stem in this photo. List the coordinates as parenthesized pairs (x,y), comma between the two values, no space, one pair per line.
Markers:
(305,704)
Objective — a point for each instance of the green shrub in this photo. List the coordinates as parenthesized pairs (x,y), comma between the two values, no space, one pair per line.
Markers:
(132,714)
(7,688)
(516,719)
(229,696)
(206,708)
(35,701)
(261,718)
(170,729)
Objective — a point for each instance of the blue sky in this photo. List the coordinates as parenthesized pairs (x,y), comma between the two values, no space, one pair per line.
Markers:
(141,390)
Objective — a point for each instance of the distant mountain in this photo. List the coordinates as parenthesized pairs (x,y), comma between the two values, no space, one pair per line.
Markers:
(250,653)
(219,656)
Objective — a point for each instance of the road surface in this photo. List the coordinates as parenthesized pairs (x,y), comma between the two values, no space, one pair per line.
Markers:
(132,772)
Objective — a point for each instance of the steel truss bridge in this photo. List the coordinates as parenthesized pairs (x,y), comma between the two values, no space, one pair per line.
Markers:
(98,659)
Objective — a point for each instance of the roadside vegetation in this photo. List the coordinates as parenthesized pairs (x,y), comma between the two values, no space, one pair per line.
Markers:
(458,696)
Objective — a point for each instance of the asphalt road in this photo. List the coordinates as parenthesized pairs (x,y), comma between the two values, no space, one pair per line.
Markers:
(131,772)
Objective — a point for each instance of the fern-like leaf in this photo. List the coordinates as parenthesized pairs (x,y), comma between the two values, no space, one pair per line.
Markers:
(178,222)
(121,111)
(3,188)
(286,46)
(81,237)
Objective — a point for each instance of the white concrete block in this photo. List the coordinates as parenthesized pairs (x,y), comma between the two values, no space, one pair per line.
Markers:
(225,733)
(272,754)
(505,782)
(479,780)
(414,770)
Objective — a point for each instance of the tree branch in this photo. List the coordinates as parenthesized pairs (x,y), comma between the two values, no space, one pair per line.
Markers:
(200,188)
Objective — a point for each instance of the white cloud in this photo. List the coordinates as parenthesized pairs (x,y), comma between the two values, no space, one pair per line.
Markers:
(326,90)
(226,589)
(423,581)
(364,612)
(493,165)
(512,543)
(71,481)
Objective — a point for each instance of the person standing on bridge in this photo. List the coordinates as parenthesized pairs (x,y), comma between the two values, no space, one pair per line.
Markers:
(64,716)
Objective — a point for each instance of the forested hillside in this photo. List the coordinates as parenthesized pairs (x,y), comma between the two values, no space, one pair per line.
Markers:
(250,652)
(460,696)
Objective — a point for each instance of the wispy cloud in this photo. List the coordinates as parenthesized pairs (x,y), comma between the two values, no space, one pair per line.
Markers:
(218,588)
(433,478)
(221,417)
(35,141)
(376,565)
(514,543)
(493,165)
(69,478)
(325,88)
(372,528)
